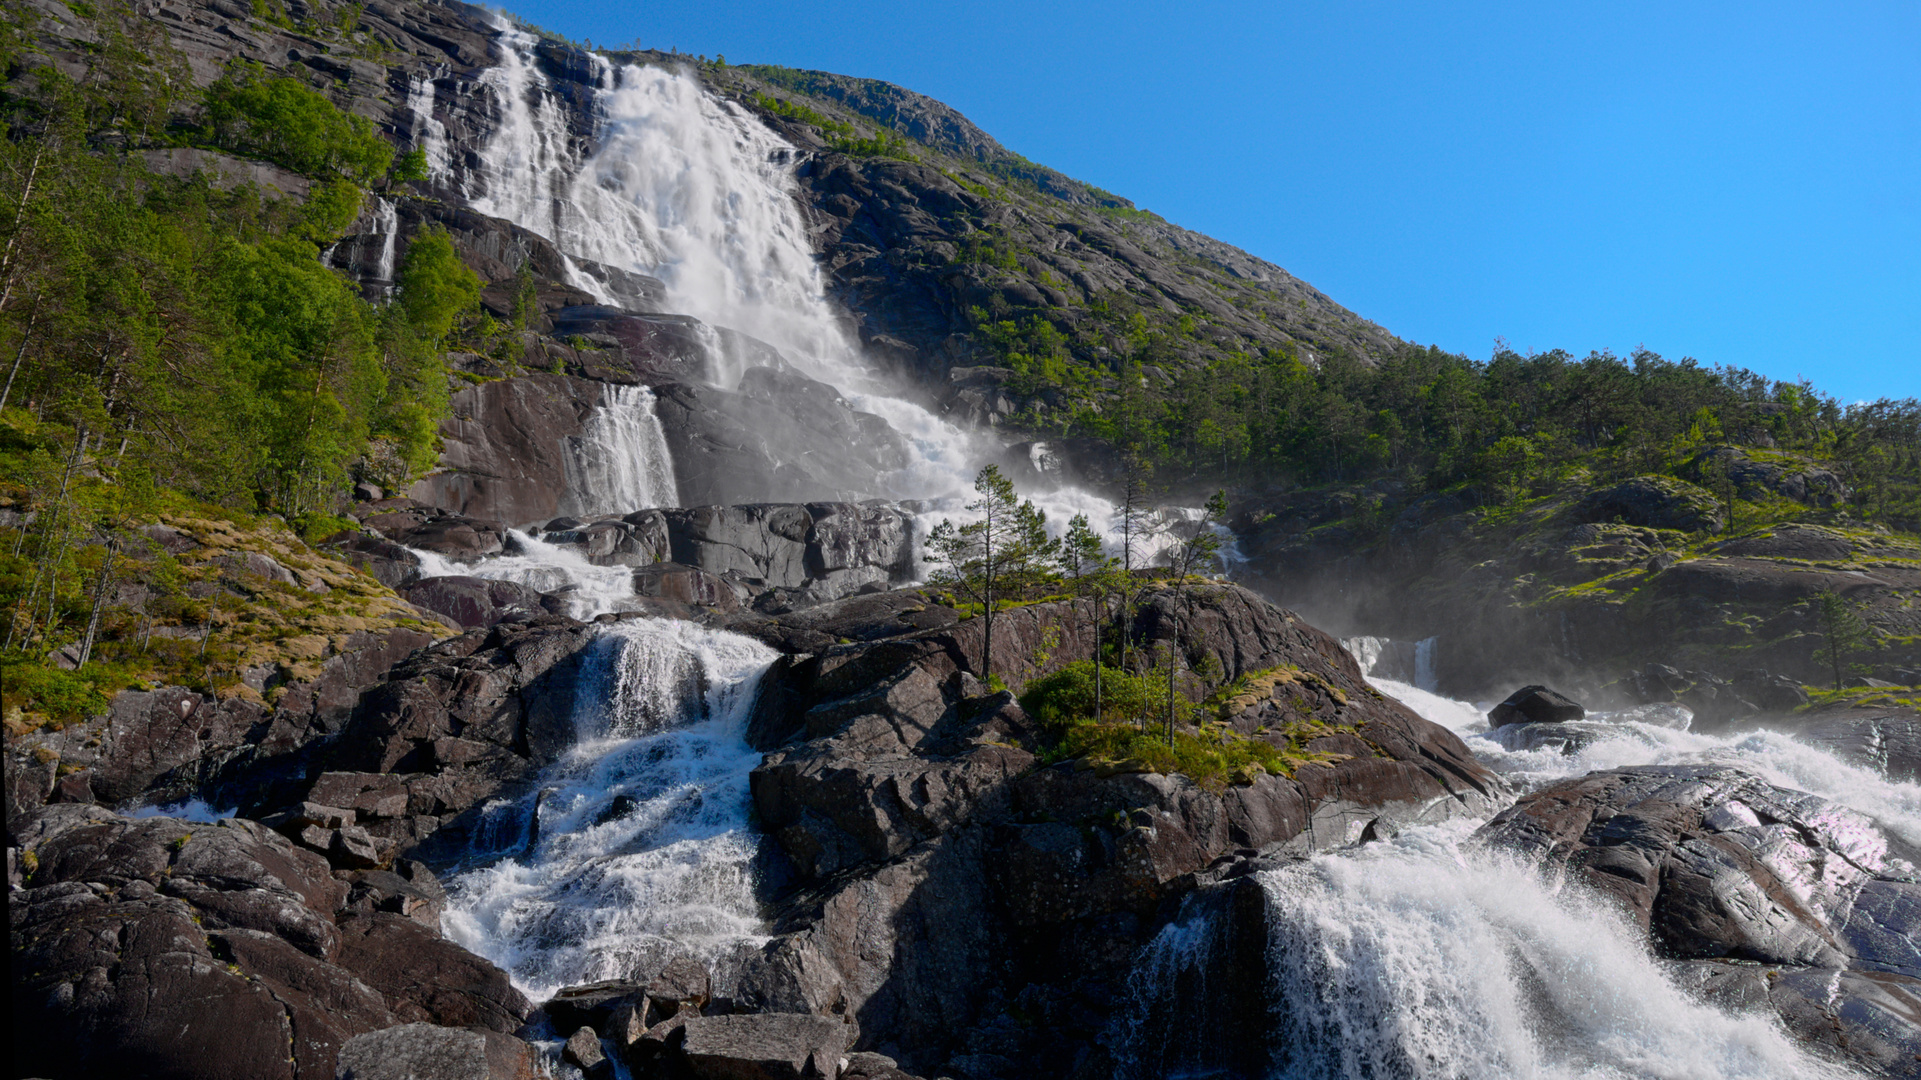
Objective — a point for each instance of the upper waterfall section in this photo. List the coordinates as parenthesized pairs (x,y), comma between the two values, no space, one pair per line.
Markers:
(908,248)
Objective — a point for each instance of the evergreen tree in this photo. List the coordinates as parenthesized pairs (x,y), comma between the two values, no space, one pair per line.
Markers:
(1843,632)
(997,554)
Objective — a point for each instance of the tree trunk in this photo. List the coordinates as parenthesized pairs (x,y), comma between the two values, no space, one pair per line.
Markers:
(99,601)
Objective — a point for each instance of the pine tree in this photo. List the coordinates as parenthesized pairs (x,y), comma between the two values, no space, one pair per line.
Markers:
(999,553)
(1843,632)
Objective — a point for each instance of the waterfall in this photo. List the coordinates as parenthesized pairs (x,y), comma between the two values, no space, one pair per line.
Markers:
(619,462)
(1424,676)
(1417,959)
(697,192)
(590,590)
(638,845)
(387,224)
(429,134)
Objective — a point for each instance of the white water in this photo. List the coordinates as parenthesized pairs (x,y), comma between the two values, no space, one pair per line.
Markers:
(429,134)
(591,590)
(387,224)
(1772,756)
(619,462)
(1414,959)
(697,192)
(602,894)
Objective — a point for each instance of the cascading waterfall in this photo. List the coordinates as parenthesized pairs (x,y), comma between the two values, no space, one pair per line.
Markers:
(429,134)
(387,224)
(1421,957)
(638,845)
(620,462)
(590,590)
(1415,959)
(699,193)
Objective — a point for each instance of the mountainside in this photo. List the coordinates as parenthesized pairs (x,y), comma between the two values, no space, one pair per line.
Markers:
(521,561)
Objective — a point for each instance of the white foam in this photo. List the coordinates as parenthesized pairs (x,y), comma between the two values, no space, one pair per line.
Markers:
(594,899)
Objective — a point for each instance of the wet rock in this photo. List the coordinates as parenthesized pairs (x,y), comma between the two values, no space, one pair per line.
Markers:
(1885,740)
(428,978)
(583,1051)
(688,585)
(1535,705)
(1718,865)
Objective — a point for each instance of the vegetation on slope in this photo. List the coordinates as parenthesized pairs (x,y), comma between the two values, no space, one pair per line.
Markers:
(175,349)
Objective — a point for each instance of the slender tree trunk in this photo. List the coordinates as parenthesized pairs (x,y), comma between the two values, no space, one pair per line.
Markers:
(99,601)
(19,216)
(33,316)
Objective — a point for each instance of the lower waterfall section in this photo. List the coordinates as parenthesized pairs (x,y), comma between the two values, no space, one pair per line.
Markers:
(1417,959)
(637,846)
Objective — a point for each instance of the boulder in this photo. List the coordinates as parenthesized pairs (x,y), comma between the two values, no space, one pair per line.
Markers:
(475,602)
(430,1052)
(763,1046)
(1717,865)
(684,584)
(391,564)
(162,947)
(1535,705)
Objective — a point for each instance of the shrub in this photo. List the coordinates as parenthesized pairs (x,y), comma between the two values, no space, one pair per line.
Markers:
(281,120)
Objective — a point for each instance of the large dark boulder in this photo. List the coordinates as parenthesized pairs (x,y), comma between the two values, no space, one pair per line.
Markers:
(159,947)
(431,1052)
(1656,502)
(475,603)
(1718,865)
(1535,705)
(940,865)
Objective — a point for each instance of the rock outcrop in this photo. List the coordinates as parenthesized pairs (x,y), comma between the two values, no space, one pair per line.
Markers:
(1726,872)
(167,948)
(943,873)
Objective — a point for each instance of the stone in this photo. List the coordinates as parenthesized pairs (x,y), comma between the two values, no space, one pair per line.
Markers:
(763,1046)
(350,848)
(1535,705)
(475,603)
(420,1051)
(583,1051)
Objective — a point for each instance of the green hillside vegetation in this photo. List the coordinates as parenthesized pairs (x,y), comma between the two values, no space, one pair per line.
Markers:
(170,346)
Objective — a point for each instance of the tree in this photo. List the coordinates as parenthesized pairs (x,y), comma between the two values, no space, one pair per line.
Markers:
(1843,632)
(1195,551)
(1089,571)
(1000,552)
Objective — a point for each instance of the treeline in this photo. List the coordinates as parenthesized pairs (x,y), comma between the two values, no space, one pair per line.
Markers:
(1506,428)
(160,322)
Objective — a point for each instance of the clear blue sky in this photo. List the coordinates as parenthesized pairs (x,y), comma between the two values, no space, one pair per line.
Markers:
(1737,182)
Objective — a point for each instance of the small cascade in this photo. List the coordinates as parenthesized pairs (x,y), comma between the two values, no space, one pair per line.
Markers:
(387,227)
(1424,676)
(429,134)
(638,845)
(590,590)
(620,462)
(1418,958)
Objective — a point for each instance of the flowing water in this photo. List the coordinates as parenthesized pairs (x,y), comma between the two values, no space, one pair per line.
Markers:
(637,846)
(619,462)
(1407,958)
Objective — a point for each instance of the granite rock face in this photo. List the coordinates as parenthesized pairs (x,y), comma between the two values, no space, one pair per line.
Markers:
(941,870)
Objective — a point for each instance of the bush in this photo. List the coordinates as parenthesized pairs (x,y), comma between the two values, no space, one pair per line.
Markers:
(1066,697)
(435,287)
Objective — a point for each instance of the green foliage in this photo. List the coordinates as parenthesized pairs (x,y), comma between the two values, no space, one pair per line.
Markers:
(273,117)
(795,111)
(1066,697)
(409,167)
(882,144)
(1002,551)
(1844,634)
(61,696)
(435,287)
